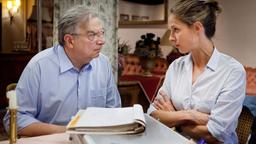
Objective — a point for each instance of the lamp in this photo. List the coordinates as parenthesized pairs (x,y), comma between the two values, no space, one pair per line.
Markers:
(169,51)
(45,14)
(165,39)
(13,7)
(172,52)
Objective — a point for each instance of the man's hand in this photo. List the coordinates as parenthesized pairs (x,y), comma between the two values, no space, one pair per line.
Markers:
(162,102)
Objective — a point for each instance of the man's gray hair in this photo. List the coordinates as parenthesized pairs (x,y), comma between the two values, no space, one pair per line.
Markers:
(69,21)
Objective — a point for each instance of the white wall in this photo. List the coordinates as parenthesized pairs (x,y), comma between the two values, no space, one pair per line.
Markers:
(235,34)
(236,30)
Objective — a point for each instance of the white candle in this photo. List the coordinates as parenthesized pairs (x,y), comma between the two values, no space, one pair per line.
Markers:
(11,95)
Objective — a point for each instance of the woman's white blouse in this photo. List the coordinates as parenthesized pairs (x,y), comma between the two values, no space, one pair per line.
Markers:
(218,91)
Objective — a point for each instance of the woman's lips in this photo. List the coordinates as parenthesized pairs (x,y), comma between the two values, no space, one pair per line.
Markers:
(176,45)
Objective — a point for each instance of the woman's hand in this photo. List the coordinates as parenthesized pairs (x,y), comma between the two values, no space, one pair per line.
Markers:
(162,102)
(198,118)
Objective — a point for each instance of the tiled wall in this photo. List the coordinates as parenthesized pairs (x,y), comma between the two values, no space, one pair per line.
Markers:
(107,11)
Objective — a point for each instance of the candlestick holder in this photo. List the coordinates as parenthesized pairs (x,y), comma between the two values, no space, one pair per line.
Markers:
(13,126)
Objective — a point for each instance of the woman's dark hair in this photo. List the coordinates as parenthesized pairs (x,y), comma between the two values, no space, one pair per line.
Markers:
(204,11)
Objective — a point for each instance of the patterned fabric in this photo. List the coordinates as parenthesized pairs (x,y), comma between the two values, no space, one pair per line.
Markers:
(132,65)
(107,11)
(244,125)
(161,66)
(250,81)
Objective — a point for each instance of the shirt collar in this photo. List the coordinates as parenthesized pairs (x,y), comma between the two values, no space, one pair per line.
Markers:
(87,66)
(65,63)
(187,62)
(212,63)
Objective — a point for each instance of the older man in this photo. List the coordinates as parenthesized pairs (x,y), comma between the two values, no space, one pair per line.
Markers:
(70,76)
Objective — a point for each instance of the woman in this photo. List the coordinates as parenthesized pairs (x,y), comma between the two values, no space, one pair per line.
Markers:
(203,92)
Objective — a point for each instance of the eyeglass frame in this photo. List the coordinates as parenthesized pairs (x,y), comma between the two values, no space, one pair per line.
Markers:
(91,35)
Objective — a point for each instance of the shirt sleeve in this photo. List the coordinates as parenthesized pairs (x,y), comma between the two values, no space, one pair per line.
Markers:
(113,96)
(223,118)
(27,94)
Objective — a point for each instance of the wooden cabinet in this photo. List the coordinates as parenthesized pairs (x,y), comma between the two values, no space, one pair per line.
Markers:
(12,65)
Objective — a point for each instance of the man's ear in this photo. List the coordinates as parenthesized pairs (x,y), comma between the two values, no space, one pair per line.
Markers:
(68,40)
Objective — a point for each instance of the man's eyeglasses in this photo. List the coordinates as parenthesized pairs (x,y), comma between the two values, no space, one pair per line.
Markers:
(91,35)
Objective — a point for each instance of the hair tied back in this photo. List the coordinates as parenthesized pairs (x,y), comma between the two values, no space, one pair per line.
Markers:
(213,4)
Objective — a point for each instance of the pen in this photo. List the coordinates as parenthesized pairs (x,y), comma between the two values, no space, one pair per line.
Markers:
(74,121)
(201,141)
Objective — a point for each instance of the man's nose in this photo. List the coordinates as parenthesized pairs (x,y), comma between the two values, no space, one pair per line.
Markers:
(101,41)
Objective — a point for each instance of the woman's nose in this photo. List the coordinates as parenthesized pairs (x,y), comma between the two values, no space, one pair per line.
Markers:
(172,39)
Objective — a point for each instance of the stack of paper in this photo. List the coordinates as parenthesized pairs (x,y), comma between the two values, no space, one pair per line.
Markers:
(95,120)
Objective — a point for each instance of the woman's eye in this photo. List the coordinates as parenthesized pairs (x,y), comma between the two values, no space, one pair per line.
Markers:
(175,30)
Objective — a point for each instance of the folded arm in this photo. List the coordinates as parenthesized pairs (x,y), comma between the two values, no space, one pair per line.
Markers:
(221,128)
(199,131)
(166,113)
(192,122)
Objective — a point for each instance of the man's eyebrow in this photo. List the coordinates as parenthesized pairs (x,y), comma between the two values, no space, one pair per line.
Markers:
(90,31)
(96,29)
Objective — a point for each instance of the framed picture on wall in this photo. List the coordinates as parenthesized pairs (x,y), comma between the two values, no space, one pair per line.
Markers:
(144,18)
(124,17)
(136,17)
(151,12)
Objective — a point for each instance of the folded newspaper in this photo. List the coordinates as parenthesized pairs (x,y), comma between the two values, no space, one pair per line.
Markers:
(95,120)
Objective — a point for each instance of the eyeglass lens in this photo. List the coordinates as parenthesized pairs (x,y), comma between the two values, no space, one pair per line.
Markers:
(93,35)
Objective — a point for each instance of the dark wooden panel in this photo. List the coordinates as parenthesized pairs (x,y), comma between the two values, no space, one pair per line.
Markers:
(0,26)
(131,93)
(11,65)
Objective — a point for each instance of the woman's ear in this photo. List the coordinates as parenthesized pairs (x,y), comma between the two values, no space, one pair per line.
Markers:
(198,27)
(68,40)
